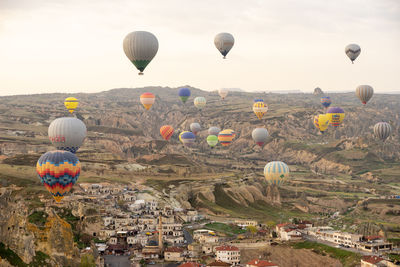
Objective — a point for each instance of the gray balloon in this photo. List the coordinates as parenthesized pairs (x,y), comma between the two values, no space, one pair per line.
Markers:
(67,133)
(195,127)
(260,136)
(382,130)
(214,130)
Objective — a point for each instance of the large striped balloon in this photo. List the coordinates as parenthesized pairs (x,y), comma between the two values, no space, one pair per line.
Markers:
(352,51)
(260,109)
(184,94)
(321,122)
(166,131)
(276,172)
(364,93)
(147,100)
(326,101)
(140,47)
(188,139)
(336,116)
(58,170)
(225,137)
(67,133)
(200,102)
(382,130)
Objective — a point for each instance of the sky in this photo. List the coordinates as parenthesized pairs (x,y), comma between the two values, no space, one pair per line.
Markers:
(76,45)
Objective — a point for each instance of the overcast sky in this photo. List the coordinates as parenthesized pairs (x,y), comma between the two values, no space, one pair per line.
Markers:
(76,45)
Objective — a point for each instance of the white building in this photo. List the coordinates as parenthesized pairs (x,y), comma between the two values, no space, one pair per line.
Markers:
(229,254)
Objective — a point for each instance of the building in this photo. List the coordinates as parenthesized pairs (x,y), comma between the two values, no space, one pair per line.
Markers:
(245,223)
(290,234)
(372,261)
(173,254)
(219,264)
(375,247)
(229,254)
(260,263)
(191,264)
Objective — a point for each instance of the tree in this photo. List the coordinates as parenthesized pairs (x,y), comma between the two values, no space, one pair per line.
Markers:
(252,229)
(270,224)
(87,260)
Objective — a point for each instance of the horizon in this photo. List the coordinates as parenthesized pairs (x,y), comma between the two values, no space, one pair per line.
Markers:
(292,46)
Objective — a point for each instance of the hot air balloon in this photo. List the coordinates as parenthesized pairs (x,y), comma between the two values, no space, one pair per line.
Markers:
(200,102)
(67,133)
(166,131)
(223,92)
(259,136)
(364,93)
(225,137)
(147,100)
(214,130)
(188,139)
(260,109)
(326,101)
(58,170)
(224,42)
(140,47)
(184,94)
(382,130)
(335,115)
(276,172)
(195,127)
(212,140)
(71,103)
(180,135)
(352,51)
(321,122)
(258,100)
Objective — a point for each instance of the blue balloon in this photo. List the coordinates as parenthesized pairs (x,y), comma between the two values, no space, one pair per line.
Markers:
(188,138)
(184,94)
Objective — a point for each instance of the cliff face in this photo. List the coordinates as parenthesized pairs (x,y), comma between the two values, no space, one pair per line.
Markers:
(25,239)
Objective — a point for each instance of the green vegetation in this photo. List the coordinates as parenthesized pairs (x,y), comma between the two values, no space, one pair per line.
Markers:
(224,228)
(40,260)
(395,258)
(347,258)
(38,218)
(87,260)
(11,256)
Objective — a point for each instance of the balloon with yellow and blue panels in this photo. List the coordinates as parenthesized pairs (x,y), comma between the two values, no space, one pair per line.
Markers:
(276,172)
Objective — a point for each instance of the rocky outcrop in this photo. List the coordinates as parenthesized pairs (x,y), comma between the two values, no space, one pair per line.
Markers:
(318,92)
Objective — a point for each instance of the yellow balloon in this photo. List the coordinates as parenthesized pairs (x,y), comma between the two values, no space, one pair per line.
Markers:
(71,103)
(321,122)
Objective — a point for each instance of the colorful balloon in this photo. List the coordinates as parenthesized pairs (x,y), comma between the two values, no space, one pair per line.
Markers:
(364,93)
(195,127)
(200,102)
(67,133)
(326,101)
(225,137)
(212,140)
(224,42)
(147,100)
(258,100)
(166,131)
(336,116)
(260,109)
(321,122)
(58,170)
(382,130)
(180,135)
(188,139)
(184,94)
(140,47)
(352,51)
(223,92)
(71,103)
(213,130)
(260,136)
(276,172)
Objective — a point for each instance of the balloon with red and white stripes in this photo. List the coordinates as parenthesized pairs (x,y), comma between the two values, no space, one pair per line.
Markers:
(364,93)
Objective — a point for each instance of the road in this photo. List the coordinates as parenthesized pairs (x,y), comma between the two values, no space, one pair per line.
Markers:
(188,237)
(116,261)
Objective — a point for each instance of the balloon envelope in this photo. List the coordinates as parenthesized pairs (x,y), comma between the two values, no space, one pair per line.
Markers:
(184,94)
(71,103)
(188,138)
(214,130)
(326,101)
(382,130)
(352,51)
(58,171)
(259,108)
(140,47)
(147,100)
(276,172)
(321,122)
(67,133)
(180,135)
(212,140)
(223,92)
(336,116)
(364,93)
(166,131)
(225,137)
(224,42)
(260,136)
(195,127)
(200,102)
